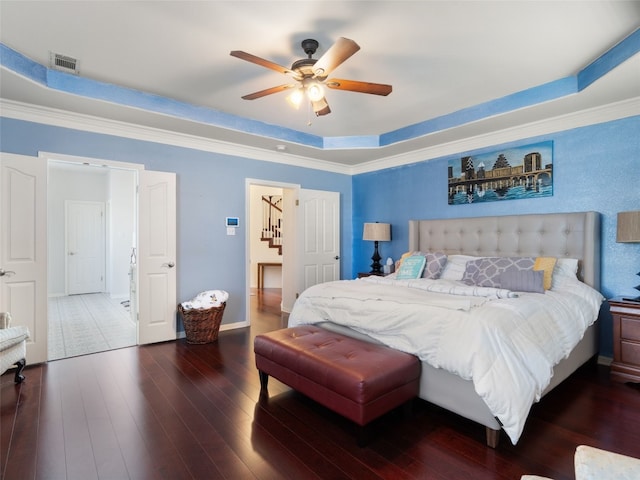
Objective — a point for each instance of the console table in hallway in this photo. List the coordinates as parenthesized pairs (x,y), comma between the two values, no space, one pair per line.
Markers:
(261,267)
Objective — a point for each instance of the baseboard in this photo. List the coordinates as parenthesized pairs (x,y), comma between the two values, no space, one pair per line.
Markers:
(223,327)
(606,361)
(233,326)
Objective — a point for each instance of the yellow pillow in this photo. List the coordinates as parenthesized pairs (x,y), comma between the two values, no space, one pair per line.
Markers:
(545,264)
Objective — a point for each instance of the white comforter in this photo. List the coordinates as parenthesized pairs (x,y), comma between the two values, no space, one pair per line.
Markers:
(506,343)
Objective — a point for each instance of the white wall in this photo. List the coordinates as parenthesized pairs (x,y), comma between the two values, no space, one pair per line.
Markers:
(121,227)
(260,251)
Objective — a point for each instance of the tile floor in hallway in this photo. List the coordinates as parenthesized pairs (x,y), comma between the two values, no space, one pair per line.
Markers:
(82,324)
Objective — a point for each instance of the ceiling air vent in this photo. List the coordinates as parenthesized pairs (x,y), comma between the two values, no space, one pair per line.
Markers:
(63,63)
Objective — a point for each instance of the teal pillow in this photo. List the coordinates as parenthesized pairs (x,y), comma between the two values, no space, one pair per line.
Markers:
(412,267)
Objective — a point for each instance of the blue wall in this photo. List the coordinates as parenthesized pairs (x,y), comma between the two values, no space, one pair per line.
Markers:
(210,187)
(594,168)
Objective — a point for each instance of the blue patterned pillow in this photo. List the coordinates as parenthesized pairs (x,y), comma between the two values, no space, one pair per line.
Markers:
(485,272)
(522,280)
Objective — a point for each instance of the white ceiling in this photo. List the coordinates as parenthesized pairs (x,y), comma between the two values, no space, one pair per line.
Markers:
(440,57)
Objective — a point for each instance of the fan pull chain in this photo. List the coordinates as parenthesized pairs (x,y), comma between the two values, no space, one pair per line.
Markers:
(308,114)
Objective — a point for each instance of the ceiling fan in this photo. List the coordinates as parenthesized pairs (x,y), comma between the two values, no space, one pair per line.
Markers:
(311,75)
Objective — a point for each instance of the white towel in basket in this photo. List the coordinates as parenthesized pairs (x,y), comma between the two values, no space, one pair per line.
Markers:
(207,299)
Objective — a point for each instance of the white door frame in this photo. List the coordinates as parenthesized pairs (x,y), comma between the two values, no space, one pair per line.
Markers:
(90,161)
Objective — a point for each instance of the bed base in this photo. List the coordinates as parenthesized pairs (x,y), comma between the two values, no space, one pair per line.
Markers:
(457,395)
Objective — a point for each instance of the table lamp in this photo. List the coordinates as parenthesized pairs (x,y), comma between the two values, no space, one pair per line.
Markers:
(629,232)
(376,232)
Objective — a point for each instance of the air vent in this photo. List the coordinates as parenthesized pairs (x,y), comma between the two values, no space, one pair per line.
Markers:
(63,63)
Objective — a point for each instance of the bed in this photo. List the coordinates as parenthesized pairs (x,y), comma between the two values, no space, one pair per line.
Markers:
(562,235)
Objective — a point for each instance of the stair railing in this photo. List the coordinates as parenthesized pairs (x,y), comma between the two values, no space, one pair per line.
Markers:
(272,221)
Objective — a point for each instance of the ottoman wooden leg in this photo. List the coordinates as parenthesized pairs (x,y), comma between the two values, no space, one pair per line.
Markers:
(264,379)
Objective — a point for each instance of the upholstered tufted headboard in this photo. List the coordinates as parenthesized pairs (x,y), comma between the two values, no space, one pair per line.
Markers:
(571,235)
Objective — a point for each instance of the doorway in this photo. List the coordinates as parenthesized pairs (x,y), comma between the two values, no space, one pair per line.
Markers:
(92,223)
(25,253)
(282,279)
(266,238)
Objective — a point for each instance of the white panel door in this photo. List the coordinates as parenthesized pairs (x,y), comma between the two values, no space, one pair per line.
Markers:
(318,237)
(85,247)
(157,257)
(23,247)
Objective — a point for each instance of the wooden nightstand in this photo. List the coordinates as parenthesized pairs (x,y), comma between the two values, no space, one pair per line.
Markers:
(367,274)
(626,340)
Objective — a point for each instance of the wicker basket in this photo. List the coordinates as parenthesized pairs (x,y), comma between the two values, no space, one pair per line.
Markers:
(202,325)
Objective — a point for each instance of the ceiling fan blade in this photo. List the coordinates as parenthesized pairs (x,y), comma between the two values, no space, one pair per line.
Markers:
(261,61)
(362,87)
(268,91)
(321,107)
(337,53)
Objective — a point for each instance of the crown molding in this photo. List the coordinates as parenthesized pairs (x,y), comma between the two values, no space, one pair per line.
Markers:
(582,118)
(89,123)
(83,122)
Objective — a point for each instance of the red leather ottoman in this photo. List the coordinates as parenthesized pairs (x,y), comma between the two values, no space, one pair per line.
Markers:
(356,379)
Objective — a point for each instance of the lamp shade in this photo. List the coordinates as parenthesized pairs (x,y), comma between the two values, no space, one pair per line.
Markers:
(379,232)
(628,227)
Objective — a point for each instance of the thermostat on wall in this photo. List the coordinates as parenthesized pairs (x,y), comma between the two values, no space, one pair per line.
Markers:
(233,222)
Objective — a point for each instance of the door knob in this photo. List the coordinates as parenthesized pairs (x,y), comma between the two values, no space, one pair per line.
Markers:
(169,265)
(72,253)
(4,272)
(337,257)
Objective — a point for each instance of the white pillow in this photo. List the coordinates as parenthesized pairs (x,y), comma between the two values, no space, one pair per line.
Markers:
(566,268)
(455,267)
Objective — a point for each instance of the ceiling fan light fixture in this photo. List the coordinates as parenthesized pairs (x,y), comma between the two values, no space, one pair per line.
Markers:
(315,91)
(295,98)
(321,107)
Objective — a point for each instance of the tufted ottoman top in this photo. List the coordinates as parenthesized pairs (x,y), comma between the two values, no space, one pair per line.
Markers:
(353,368)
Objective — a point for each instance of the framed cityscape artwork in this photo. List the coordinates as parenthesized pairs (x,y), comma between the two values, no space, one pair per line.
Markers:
(507,174)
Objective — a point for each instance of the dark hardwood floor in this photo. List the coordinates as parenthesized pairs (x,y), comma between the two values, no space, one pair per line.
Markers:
(175,411)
